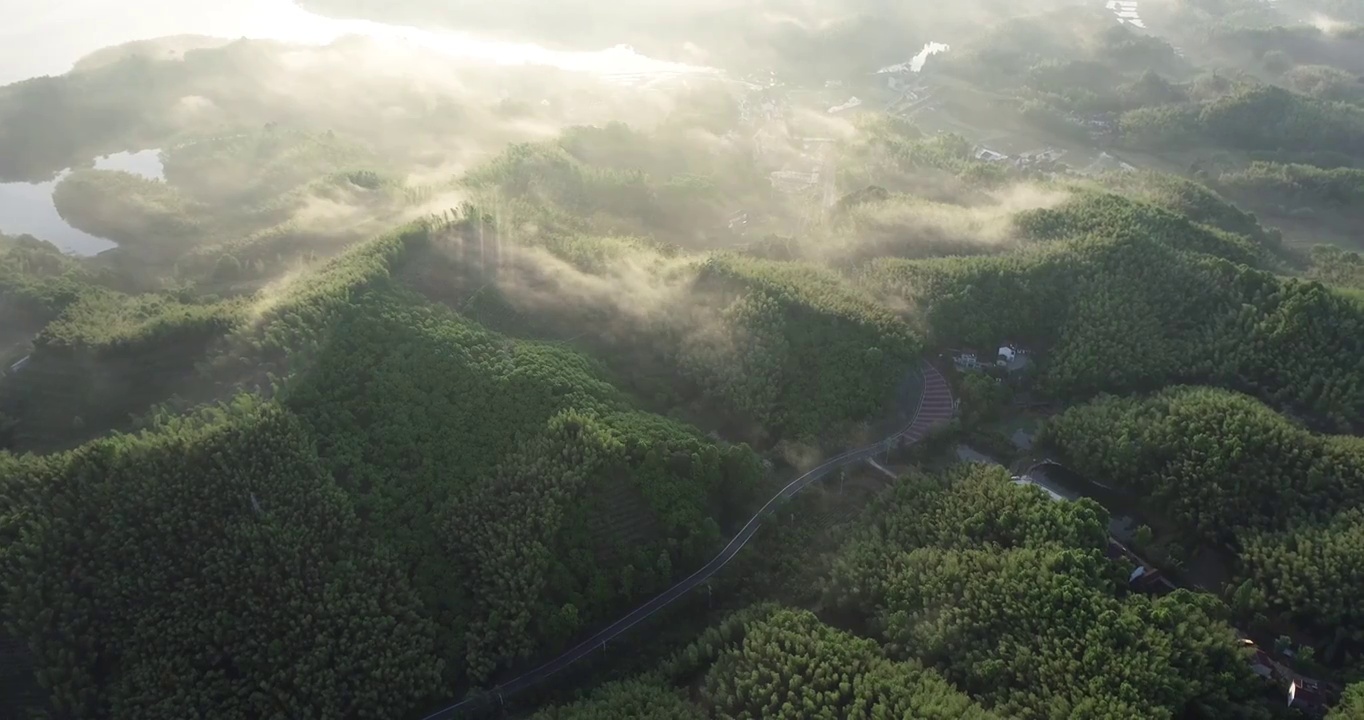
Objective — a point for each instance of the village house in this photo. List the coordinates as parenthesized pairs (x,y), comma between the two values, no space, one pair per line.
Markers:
(966,361)
(988,155)
(1012,358)
(1307,696)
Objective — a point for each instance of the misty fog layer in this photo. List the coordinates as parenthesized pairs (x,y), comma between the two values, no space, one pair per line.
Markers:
(48,40)
(686,360)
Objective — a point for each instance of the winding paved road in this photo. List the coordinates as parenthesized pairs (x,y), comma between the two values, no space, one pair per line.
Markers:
(934,406)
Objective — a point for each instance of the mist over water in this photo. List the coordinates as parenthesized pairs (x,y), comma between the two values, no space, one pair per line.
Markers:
(27,209)
(48,38)
(146,163)
(38,39)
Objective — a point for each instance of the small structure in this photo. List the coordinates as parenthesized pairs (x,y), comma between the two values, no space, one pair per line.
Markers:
(1102,122)
(1107,163)
(1152,582)
(1012,358)
(966,453)
(793,181)
(23,363)
(1260,663)
(1306,695)
(988,155)
(967,361)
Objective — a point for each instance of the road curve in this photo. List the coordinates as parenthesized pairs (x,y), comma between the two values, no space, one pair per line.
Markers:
(934,406)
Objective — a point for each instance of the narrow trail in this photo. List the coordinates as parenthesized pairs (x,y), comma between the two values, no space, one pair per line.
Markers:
(934,406)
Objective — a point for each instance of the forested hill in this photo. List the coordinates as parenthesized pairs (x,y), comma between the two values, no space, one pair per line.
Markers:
(421,435)
(438,477)
(1121,306)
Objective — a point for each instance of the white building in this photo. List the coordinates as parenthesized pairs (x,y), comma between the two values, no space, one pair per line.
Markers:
(1012,358)
(989,155)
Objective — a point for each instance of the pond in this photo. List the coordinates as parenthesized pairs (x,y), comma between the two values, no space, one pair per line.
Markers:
(27,208)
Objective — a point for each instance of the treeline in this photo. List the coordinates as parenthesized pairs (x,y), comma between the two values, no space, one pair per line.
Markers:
(108,356)
(1058,82)
(1135,90)
(1083,88)
(251,166)
(1132,305)
(1305,44)
(1230,472)
(1296,190)
(1324,82)
(104,359)
(1113,216)
(761,349)
(1193,200)
(37,282)
(1008,594)
(1336,266)
(1081,44)
(1250,118)
(677,183)
(891,152)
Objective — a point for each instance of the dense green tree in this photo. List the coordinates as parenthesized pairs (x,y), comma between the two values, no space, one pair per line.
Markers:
(210,566)
(793,666)
(626,700)
(1351,705)
(1138,298)
(546,450)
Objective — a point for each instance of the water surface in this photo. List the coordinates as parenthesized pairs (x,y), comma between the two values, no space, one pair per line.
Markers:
(27,208)
(47,38)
